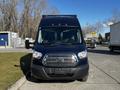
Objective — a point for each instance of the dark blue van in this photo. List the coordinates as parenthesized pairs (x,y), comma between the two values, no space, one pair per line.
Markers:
(59,51)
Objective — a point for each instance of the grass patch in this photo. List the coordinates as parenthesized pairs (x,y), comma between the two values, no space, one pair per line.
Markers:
(9,74)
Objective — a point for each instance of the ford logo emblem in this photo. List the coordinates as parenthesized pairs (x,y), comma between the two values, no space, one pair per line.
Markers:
(60,60)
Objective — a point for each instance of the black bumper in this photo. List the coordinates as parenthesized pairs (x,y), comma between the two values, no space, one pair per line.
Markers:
(46,73)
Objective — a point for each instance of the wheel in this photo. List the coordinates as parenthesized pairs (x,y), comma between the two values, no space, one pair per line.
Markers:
(95,45)
(111,49)
(30,77)
(84,79)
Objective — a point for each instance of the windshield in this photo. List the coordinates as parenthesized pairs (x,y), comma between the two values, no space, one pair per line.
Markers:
(64,36)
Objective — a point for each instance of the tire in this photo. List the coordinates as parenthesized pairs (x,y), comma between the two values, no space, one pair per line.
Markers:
(95,46)
(84,79)
(111,49)
(30,77)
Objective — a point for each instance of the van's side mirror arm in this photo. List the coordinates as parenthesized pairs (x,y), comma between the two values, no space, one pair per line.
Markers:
(28,44)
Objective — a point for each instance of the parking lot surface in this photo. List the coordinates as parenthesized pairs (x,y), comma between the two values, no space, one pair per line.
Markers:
(104,74)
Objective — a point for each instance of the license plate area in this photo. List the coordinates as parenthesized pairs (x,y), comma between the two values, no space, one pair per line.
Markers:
(59,71)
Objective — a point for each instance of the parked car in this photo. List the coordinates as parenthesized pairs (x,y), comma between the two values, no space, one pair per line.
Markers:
(90,43)
(59,51)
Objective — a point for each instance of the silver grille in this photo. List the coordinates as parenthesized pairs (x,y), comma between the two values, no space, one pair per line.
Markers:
(60,60)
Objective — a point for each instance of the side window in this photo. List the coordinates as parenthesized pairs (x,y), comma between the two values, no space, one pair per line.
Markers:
(39,37)
(79,36)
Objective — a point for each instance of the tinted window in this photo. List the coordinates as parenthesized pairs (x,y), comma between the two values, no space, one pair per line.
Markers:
(59,35)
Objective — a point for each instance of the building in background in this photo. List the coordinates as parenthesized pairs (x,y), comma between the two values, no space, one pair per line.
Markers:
(10,40)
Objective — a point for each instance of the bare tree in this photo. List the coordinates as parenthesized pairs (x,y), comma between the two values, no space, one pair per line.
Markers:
(33,10)
(98,27)
(115,16)
(89,28)
(25,19)
(31,16)
(113,19)
(26,22)
(51,11)
(9,15)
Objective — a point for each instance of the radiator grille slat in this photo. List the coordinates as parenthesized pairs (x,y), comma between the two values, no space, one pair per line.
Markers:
(60,60)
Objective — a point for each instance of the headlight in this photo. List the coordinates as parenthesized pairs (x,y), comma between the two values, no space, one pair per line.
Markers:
(82,54)
(37,55)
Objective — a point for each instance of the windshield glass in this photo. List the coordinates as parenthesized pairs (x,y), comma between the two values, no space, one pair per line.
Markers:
(64,36)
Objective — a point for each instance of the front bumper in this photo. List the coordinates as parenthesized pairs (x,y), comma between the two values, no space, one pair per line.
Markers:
(47,73)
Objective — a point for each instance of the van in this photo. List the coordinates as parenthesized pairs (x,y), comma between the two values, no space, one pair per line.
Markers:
(59,51)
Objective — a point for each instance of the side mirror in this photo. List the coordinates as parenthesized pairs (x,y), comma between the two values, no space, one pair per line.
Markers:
(28,44)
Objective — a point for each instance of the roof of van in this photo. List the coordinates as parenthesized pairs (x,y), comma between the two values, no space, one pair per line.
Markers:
(59,20)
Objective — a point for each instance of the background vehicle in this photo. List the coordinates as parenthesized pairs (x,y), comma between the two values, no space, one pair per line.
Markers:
(90,43)
(114,37)
(91,38)
(59,49)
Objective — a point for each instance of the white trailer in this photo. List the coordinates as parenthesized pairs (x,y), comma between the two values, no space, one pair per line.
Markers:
(114,37)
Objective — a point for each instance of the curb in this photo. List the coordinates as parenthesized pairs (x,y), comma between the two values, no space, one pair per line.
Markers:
(17,84)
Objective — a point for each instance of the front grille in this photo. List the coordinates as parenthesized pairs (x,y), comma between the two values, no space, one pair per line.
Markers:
(60,60)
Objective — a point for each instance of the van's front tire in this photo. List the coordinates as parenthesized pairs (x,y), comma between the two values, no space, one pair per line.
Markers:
(30,77)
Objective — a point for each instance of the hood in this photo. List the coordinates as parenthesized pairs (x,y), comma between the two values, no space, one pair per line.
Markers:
(59,48)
